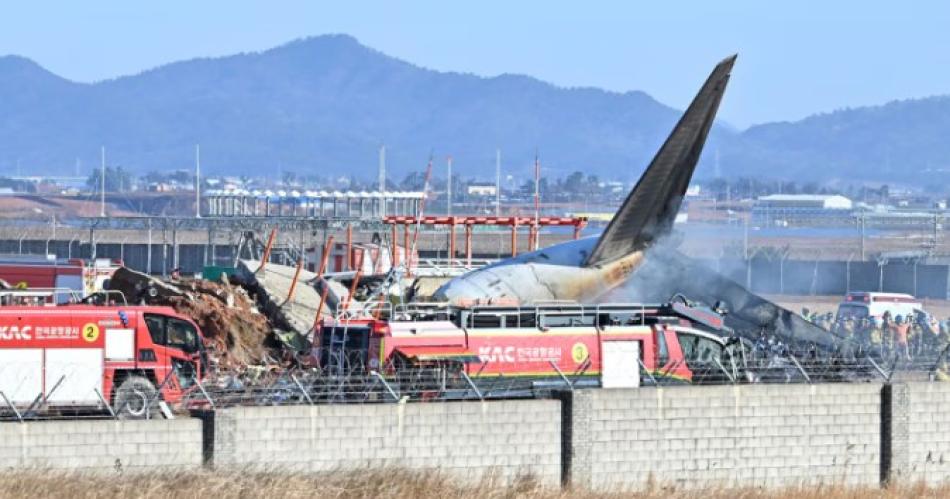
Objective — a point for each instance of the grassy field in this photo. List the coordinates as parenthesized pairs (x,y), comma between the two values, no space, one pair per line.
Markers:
(368,484)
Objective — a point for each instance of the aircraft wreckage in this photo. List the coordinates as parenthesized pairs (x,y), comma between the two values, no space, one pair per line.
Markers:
(633,258)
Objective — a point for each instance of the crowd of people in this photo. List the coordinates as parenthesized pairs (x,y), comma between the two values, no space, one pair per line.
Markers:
(917,335)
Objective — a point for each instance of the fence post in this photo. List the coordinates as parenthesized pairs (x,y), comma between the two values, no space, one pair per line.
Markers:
(11,406)
(781,274)
(106,404)
(205,393)
(389,388)
(916,261)
(881,262)
(847,274)
(302,389)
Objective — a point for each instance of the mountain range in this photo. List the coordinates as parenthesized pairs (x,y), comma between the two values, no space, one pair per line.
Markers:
(323,106)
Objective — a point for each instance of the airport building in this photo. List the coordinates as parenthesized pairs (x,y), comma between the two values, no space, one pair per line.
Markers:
(344,205)
(801,209)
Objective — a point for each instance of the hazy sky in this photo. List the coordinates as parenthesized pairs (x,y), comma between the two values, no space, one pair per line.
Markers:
(796,58)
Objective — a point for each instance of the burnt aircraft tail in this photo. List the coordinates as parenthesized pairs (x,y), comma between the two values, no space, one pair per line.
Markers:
(651,207)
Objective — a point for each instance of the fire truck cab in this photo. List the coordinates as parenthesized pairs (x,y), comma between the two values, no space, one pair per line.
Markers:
(82,357)
(666,343)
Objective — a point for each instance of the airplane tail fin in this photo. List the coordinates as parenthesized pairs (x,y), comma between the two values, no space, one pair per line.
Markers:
(650,208)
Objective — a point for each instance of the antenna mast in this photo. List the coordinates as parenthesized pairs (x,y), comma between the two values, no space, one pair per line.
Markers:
(449,187)
(102,184)
(197,181)
(419,215)
(537,202)
(537,189)
(382,168)
(382,180)
(497,182)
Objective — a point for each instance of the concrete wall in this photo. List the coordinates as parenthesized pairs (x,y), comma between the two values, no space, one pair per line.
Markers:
(101,444)
(753,435)
(747,435)
(471,440)
(922,417)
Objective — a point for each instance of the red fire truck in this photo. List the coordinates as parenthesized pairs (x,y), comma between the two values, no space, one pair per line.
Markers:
(617,342)
(35,272)
(80,357)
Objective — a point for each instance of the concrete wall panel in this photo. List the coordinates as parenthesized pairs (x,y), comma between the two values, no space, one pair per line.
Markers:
(753,435)
(927,412)
(101,444)
(470,440)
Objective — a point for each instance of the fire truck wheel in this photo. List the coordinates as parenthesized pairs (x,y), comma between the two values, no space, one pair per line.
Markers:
(133,397)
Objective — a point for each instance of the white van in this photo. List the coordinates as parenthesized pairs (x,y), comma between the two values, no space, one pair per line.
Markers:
(863,304)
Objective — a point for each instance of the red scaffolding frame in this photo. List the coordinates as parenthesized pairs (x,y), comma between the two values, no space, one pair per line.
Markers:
(469,221)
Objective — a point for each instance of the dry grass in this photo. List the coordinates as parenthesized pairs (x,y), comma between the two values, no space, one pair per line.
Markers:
(368,484)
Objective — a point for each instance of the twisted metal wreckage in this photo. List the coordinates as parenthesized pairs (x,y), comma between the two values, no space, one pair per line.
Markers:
(634,260)
(519,327)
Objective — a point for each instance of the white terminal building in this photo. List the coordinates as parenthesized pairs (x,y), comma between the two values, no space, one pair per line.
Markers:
(320,204)
(800,209)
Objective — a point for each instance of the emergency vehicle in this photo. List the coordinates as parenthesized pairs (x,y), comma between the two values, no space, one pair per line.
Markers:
(81,357)
(859,305)
(32,272)
(614,342)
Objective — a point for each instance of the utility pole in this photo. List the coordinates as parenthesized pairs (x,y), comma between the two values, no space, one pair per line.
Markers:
(745,237)
(537,202)
(537,190)
(861,219)
(497,182)
(382,180)
(936,227)
(197,181)
(382,168)
(102,184)
(449,187)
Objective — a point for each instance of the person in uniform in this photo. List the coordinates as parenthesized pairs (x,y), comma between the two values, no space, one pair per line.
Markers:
(876,337)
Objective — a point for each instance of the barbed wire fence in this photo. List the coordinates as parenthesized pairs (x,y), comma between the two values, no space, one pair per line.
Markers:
(29,394)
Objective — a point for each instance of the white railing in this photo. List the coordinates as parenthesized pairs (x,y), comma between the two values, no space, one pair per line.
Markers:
(448,266)
(58,296)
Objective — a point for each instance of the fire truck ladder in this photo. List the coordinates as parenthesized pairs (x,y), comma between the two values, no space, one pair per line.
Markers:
(336,356)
